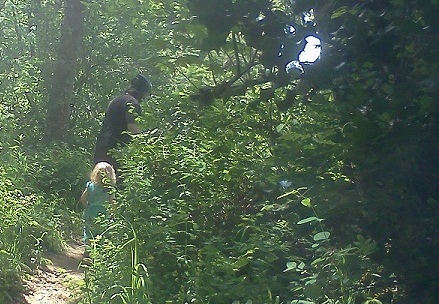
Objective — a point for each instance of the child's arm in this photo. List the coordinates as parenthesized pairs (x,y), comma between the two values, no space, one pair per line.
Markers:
(84,197)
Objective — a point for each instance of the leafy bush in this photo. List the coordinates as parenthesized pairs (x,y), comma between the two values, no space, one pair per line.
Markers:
(32,221)
(218,219)
(27,228)
(59,170)
(115,274)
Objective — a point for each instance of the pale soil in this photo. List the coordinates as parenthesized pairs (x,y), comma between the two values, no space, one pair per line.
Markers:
(59,282)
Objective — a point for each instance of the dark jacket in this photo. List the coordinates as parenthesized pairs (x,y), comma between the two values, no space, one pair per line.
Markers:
(114,131)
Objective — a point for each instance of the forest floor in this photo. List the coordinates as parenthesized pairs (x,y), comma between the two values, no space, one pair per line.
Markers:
(60,281)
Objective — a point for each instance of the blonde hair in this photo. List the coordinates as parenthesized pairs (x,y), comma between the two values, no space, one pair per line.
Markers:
(103,173)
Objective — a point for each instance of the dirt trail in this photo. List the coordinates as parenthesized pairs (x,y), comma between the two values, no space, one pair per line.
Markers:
(59,281)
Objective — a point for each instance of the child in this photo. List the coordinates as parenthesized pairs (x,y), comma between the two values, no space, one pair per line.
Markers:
(97,196)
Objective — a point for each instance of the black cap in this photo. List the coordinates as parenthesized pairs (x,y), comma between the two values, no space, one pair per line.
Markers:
(141,83)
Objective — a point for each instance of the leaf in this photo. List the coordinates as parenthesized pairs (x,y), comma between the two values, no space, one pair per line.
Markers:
(387,89)
(331,97)
(301,302)
(268,207)
(426,102)
(306,202)
(339,12)
(290,266)
(361,238)
(308,220)
(242,261)
(324,235)
(280,127)
(373,301)
(313,291)
(318,260)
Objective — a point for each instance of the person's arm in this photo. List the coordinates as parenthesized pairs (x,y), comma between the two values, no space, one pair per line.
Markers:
(84,198)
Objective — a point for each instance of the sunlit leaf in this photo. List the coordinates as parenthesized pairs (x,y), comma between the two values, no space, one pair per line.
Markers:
(301,302)
(306,202)
(291,266)
(339,12)
(324,235)
(242,261)
(280,127)
(308,220)
(373,301)
(316,261)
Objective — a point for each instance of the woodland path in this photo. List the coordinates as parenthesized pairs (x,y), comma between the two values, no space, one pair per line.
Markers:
(59,282)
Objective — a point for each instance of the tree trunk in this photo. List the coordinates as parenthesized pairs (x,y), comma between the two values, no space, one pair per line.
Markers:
(61,91)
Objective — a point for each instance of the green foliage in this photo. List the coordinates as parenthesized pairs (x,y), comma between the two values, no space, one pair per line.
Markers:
(32,221)
(60,170)
(110,277)
(215,222)
(251,185)
(28,227)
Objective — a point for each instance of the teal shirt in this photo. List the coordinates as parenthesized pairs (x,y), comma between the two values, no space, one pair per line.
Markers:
(97,201)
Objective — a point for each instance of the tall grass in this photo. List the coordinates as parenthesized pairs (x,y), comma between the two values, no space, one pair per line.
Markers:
(115,274)
(32,220)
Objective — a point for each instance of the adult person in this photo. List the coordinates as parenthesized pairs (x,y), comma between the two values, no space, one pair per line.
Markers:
(119,122)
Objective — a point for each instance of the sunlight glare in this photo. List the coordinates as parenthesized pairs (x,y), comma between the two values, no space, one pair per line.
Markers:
(312,50)
(308,17)
(310,54)
(294,66)
(289,30)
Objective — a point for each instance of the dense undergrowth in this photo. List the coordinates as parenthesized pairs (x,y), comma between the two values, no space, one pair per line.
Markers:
(33,220)
(203,216)
(251,186)
(211,215)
